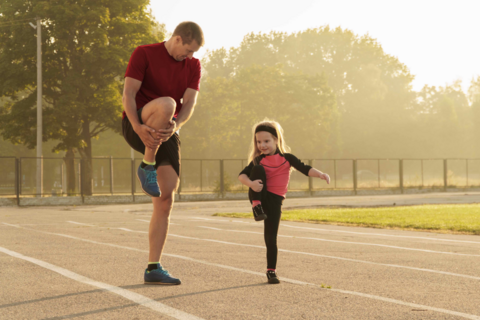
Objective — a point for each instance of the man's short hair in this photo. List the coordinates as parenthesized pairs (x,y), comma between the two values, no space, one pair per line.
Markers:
(189,31)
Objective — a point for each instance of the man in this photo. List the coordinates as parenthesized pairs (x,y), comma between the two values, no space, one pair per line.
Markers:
(161,88)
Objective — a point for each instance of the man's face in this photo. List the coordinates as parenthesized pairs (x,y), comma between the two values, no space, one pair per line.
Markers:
(182,51)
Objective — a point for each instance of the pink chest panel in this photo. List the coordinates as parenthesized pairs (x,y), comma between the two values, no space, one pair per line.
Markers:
(277,169)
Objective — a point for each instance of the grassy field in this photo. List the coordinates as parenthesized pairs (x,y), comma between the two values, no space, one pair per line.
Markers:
(464,218)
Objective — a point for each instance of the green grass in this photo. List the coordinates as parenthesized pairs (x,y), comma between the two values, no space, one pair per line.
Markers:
(462,218)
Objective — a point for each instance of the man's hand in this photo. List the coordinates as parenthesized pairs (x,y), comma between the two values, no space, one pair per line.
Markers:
(325,177)
(256,185)
(148,136)
(165,134)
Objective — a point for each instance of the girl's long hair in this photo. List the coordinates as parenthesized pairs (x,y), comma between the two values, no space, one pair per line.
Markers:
(281,145)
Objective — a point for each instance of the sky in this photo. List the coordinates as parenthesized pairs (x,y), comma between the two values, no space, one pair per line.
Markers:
(439,41)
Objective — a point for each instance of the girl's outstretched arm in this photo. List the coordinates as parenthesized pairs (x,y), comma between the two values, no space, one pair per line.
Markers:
(319,174)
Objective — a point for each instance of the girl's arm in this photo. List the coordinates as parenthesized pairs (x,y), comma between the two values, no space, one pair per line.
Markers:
(256,185)
(319,174)
(306,169)
(244,179)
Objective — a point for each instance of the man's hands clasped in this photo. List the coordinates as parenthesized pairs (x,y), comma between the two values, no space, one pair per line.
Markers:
(165,134)
(152,138)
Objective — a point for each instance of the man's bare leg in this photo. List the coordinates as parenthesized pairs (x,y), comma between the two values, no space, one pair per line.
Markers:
(159,223)
(162,207)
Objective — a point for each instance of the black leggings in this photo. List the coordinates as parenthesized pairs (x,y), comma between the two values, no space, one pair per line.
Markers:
(272,206)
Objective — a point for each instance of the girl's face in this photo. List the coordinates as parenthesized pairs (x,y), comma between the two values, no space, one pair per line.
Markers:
(266,143)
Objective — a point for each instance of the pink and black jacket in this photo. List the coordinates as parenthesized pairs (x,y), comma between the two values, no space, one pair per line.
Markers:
(277,169)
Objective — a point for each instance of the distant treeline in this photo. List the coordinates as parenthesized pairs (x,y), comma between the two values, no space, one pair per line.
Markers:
(337,94)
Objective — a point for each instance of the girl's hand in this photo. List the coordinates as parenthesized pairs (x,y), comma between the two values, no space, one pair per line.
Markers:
(256,185)
(325,177)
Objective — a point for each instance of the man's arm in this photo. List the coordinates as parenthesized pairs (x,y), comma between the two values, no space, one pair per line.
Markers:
(130,90)
(189,101)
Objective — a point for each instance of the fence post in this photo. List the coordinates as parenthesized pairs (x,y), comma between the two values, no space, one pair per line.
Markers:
(20,173)
(201,175)
(111,175)
(445,174)
(132,169)
(80,176)
(62,178)
(222,182)
(466,168)
(335,173)
(421,163)
(355,176)
(310,179)
(400,173)
(17,180)
(378,172)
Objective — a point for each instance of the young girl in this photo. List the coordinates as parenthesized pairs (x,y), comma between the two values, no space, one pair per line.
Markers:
(267,176)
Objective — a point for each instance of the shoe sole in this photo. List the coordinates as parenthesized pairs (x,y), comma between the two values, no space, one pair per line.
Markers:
(260,218)
(162,283)
(141,187)
(273,281)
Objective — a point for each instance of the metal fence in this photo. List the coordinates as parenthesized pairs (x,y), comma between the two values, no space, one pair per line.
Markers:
(112,176)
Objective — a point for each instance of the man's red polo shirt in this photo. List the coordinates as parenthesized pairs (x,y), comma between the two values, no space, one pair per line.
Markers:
(161,74)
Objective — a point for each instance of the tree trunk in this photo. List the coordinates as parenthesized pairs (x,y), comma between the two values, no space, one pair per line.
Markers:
(86,153)
(70,166)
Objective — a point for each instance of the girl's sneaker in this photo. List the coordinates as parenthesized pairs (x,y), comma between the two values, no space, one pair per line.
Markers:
(258,213)
(272,277)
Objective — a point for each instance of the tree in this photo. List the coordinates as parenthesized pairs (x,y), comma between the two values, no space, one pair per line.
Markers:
(304,105)
(86,47)
(373,89)
(474,97)
(443,121)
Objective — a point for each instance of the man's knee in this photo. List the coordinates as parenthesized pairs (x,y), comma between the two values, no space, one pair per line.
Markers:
(164,104)
(163,107)
(168,199)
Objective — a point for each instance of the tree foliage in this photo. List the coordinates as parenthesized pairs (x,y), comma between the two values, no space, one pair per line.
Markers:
(228,107)
(86,46)
(372,89)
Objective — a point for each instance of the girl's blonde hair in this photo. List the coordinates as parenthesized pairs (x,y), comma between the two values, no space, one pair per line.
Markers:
(281,145)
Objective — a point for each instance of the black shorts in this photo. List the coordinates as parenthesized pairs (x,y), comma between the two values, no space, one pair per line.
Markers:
(167,154)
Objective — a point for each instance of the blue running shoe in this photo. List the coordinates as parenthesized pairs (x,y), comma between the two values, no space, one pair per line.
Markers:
(160,276)
(148,180)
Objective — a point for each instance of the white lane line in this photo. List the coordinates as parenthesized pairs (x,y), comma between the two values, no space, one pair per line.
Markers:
(222,220)
(129,295)
(129,230)
(123,229)
(178,224)
(383,235)
(356,243)
(310,254)
(341,258)
(82,224)
(354,293)
(332,257)
(343,231)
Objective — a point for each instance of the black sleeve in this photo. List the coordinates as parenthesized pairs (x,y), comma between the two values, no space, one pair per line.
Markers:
(297,164)
(247,169)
